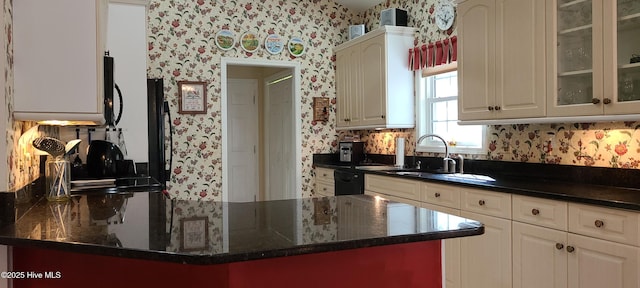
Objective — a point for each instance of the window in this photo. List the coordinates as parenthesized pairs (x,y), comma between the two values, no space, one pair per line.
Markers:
(438,114)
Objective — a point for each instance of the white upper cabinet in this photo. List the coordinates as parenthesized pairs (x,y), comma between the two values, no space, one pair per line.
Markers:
(374,86)
(58,59)
(501,68)
(591,45)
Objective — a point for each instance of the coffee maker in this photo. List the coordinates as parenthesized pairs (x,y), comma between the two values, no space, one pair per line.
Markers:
(351,152)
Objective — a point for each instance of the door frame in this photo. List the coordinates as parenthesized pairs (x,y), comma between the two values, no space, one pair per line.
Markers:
(226,61)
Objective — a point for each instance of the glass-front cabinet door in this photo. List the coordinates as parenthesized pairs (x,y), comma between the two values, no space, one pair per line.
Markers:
(576,58)
(624,57)
(590,55)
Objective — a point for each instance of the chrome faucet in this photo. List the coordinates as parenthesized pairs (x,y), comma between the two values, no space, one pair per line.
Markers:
(446,160)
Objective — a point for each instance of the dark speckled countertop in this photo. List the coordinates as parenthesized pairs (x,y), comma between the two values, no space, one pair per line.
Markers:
(608,187)
(147,225)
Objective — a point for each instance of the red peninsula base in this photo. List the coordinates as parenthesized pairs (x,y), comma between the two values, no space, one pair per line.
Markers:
(403,265)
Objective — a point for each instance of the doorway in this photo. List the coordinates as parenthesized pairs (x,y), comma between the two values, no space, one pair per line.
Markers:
(265,143)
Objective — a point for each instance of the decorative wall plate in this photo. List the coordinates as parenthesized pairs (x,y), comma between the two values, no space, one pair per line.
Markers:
(273,44)
(296,46)
(225,39)
(249,42)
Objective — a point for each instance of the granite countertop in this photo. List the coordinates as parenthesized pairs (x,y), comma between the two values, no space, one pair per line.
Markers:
(148,225)
(522,180)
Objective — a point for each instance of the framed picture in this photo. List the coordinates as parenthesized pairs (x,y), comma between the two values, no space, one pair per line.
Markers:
(193,97)
(194,234)
(320,109)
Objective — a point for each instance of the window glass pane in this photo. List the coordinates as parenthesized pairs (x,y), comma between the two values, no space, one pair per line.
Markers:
(446,85)
(440,111)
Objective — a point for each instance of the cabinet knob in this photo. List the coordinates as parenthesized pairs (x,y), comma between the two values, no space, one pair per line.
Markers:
(497,108)
(324,175)
(382,116)
(570,249)
(535,211)
(490,108)
(559,246)
(606,101)
(599,223)
(324,189)
(437,194)
(481,203)
(595,100)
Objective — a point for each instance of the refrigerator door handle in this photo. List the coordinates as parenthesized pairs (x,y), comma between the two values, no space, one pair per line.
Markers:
(166,110)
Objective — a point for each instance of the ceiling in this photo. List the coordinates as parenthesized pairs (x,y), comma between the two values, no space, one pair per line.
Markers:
(358,5)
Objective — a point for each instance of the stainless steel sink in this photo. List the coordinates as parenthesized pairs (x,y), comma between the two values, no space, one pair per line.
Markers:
(470,177)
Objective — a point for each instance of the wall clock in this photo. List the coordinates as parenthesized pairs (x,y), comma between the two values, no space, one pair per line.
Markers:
(445,14)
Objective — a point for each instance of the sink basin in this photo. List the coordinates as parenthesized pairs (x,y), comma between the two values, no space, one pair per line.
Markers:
(470,177)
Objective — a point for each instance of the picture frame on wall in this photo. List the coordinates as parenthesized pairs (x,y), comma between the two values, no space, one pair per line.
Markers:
(193,97)
(194,234)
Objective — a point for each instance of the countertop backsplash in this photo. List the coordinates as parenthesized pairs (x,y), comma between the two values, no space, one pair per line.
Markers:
(612,145)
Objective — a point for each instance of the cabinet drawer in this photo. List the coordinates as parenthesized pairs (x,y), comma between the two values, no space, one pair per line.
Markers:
(325,189)
(324,174)
(393,198)
(542,212)
(486,202)
(605,223)
(407,189)
(443,195)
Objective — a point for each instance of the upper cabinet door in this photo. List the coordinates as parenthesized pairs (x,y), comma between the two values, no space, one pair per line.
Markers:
(622,77)
(575,58)
(520,50)
(58,49)
(374,80)
(476,63)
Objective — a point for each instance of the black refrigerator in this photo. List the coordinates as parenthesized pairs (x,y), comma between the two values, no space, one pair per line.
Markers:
(159,123)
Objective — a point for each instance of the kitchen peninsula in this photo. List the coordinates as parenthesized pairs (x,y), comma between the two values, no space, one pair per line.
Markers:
(143,238)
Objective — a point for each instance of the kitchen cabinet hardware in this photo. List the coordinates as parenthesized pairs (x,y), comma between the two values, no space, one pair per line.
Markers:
(490,108)
(559,246)
(437,195)
(570,249)
(606,101)
(599,223)
(497,108)
(535,211)
(595,100)
(481,202)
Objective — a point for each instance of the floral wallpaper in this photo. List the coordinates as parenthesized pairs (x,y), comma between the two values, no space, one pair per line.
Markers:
(181,46)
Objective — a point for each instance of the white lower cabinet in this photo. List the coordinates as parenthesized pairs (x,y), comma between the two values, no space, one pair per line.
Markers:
(539,257)
(325,183)
(596,263)
(560,258)
(485,260)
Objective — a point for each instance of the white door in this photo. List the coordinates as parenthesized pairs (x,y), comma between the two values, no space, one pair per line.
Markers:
(243,139)
(279,137)
(539,257)
(595,263)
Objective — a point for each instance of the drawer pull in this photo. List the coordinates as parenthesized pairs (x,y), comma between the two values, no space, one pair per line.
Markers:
(559,246)
(535,211)
(481,203)
(324,189)
(570,249)
(599,223)
(437,195)
(324,175)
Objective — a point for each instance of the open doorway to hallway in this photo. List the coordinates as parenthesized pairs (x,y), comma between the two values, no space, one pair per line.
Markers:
(261,137)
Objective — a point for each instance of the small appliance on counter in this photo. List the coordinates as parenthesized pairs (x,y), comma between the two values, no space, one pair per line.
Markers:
(351,152)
